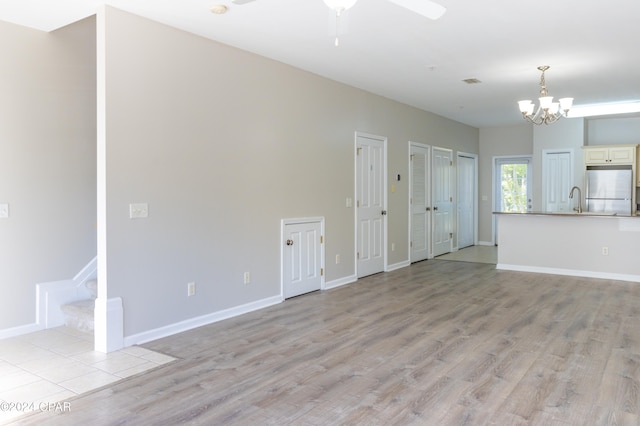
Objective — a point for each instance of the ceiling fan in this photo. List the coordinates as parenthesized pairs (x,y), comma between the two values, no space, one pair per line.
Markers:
(426,8)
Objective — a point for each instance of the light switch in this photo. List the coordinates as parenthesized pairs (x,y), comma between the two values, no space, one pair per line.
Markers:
(138,211)
(4,211)
(349,203)
(485,198)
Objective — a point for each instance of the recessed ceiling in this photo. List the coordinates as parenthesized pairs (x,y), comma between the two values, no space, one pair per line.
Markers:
(385,49)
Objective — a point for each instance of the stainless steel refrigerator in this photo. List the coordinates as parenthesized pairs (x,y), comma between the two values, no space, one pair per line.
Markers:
(609,189)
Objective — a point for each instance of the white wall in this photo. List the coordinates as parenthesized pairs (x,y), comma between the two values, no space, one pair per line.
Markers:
(612,130)
(47,161)
(222,145)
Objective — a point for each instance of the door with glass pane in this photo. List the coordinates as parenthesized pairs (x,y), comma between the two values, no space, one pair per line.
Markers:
(513,186)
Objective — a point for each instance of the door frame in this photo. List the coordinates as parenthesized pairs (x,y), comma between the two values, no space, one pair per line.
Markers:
(475,195)
(382,139)
(410,192)
(494,184)
(296,221)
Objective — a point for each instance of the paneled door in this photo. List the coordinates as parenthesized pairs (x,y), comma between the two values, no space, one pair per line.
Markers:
(557,177)
(371,204)
(419,202)
(466,199)
(302,269)
(442,164)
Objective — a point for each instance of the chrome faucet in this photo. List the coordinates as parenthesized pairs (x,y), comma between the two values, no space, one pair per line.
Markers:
(579,209)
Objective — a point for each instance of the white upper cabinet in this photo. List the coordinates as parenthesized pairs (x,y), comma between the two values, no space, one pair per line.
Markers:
(603,155)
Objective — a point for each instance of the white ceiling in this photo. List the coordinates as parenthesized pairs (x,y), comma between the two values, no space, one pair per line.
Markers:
(591,46)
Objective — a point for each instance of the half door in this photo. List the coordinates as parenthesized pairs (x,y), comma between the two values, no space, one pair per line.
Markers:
(302,269)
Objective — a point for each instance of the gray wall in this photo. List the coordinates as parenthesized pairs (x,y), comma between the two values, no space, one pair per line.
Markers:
(222,145)
(497,142)
(47,161)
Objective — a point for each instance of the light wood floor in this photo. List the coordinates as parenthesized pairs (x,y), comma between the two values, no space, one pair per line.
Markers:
(438,343)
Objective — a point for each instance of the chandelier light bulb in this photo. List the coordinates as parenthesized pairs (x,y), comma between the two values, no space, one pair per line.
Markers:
(548,111)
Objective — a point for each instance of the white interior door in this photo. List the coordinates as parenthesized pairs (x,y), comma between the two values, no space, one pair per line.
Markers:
(466,200)
(371,204)
(557,180)
(419,203)
(302,269)
(442,164)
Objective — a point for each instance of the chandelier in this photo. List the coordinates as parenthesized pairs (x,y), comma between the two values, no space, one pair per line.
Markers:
(548,111)
(339,6)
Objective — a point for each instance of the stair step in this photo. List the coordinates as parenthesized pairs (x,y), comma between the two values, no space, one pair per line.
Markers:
(79,315)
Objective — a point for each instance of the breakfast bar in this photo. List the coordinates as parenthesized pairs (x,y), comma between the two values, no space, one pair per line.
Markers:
(580,244)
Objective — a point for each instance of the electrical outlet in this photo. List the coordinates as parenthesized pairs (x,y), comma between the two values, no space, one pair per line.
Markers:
(138,211)
(605,251)
(337,259)
(247,277)
(191,289)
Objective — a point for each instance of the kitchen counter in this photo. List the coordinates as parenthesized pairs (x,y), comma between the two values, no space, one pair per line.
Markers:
(600,246)
(573,213)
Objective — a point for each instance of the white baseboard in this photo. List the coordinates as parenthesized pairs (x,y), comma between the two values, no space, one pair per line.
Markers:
(485,243)
(18,331)
(569,272)
(192,323)
(398,265)
(340,282)
(109,324)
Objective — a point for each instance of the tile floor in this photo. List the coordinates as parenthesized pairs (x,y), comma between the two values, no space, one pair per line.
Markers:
(52,365)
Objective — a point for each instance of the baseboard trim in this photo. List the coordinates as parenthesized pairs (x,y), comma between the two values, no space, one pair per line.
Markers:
(398,265)
(569,272)
(340,282)
(20,330)
(186,325)
(485,243)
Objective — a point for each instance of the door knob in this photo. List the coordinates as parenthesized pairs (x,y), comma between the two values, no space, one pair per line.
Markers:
(289,242)
(428,209)
(384,212)
(435,208)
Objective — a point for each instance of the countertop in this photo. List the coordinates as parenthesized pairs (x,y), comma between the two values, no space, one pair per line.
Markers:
(572,214)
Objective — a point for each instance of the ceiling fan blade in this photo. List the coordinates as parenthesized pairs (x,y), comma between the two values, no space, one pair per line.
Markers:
(425,8)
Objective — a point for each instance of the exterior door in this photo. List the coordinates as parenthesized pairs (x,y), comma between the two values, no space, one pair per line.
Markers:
(442,200)
(302,269)
(371,204)
(512,181)
(557,177)
(419,203)
(466,200)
